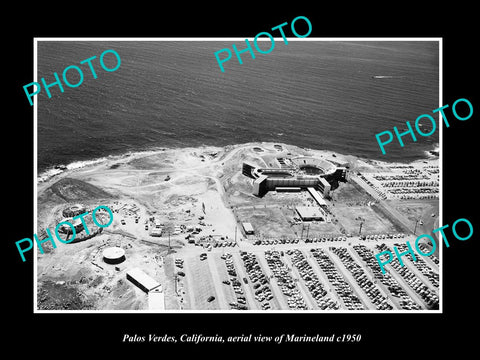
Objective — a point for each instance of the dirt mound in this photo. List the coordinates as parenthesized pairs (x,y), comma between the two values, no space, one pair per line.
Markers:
(75,190)
(60,296)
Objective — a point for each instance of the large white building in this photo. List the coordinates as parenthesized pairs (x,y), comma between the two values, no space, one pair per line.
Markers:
(142,280)
(306,172)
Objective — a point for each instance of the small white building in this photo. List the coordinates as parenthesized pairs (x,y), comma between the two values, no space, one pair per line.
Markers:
(248,228)
(156,299)
(156,232)
(310,213)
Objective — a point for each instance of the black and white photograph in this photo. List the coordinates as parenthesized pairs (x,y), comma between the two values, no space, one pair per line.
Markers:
(277,199)
(211,180)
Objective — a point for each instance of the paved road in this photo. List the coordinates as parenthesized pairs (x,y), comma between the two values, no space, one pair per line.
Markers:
(277,292)
(217,282)
(247,290)
(187,280)
(390,211)
(221,267)
(281,301)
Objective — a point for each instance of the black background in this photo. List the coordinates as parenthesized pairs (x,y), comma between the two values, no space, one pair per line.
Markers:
(383,335)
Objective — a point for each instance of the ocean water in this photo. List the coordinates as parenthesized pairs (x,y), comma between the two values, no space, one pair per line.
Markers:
(314,94)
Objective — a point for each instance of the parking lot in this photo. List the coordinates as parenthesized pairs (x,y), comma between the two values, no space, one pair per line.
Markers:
(323,276)
(414,281)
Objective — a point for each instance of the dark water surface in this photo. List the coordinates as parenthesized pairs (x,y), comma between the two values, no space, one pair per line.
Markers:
(315,94)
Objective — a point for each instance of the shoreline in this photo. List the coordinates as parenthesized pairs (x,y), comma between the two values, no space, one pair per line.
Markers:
(177,203)
(56,171)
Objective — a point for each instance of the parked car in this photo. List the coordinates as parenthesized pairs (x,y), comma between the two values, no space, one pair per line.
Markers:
(211,298)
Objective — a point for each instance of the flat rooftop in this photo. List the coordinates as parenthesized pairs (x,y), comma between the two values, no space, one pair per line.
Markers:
(142,280)
(310,212)
(318,198)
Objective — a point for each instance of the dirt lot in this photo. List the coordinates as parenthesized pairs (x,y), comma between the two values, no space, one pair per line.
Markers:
(350,218)
(201,188)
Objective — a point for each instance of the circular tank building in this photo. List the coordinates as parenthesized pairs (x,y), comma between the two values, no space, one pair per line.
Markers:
(74,210)
(314,166)
(113,255)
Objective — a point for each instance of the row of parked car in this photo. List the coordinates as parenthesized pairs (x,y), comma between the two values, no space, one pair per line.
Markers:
(367,255)
(342,288)
(379,192)
(285,280)
(222,243)
(428,295)
(227,257)
(179,264)
(380,301)
(327,238)
(382,236)
(407,184)
(275,241)
(414,176)
(424,248)
(416,196)
(241,303)
(423,267)
(411,191)
(311,281)
(263,293)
